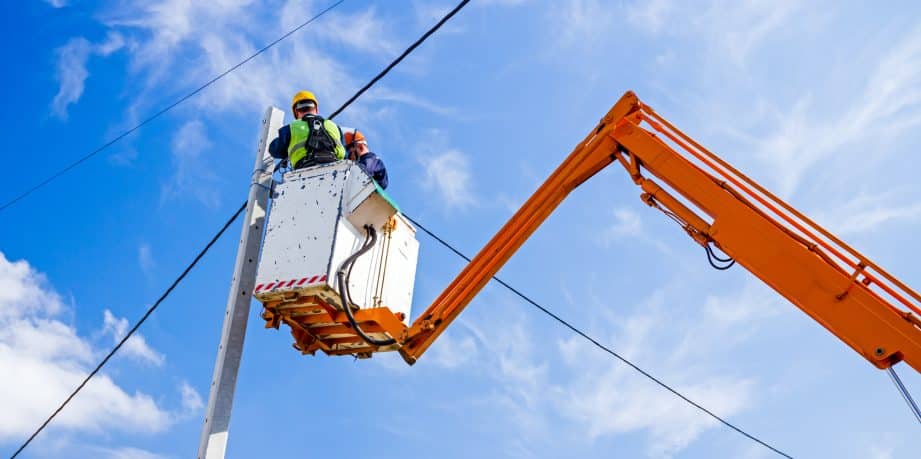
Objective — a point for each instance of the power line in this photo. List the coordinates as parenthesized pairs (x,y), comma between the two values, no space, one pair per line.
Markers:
(135,327)
(400,58)
(602,346)
(106,145)
(232,218)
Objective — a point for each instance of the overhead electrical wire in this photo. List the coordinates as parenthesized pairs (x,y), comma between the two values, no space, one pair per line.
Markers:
(399,59)
(235,215)
(135,327)
(156,115)
(602,346)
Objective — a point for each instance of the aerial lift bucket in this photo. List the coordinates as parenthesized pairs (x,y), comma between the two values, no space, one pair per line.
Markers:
(316,221)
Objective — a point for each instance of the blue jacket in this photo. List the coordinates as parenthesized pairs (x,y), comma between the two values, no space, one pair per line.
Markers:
(373,166)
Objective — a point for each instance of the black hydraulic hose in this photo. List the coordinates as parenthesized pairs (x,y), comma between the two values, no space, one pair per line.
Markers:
(366,245)
(345,269)
(712,256)
(717,258)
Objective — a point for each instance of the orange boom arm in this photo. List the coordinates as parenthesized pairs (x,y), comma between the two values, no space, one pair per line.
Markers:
(871,311)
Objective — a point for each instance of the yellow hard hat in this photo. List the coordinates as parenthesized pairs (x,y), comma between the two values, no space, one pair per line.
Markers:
(301,96)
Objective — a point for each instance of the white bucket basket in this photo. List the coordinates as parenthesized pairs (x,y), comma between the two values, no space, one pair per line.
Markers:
(316,220)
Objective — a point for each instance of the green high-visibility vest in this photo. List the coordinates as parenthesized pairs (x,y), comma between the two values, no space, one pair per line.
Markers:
(300,131)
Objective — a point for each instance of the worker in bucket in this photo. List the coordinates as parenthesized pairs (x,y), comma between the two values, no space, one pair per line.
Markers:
(358,149)
(309,139)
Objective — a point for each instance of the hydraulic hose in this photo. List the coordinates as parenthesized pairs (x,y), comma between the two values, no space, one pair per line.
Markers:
(345,270)
(713,257)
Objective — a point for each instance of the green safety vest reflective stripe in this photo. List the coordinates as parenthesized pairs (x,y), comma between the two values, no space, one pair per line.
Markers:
(300,131)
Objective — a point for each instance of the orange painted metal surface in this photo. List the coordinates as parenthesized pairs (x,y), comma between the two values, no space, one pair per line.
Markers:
(318,326)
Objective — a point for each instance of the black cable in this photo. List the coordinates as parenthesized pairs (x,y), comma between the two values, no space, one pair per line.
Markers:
(603,347)
(162,111)
(712,256)
(717,258)
(345,270)
(135,327)
(400,58)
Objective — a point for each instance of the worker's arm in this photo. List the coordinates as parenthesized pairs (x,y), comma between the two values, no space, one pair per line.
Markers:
(374,166)
(279,146)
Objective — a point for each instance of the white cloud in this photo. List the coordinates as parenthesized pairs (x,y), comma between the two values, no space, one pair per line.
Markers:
(49,359)
(609,398)
(581,23)
(453,350)
(114,42)
(165,36)
(889,105)
(649,15)
(192,175)
(731,29)
(22,292)
(629,226)
(740,27)
(146,259)
(382,94)
(582,393)
(868,212)
(136,346)
(72,72)
(57,3)
(126,453)
(191,400)
(448,173)
(364,32)
(881,452)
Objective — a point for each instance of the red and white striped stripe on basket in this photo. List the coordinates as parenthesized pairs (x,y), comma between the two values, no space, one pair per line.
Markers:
(290,283)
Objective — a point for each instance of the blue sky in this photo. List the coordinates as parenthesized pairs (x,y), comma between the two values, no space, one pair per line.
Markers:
(818,101)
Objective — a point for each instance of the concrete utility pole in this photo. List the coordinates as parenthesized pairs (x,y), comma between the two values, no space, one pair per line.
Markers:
(217,419)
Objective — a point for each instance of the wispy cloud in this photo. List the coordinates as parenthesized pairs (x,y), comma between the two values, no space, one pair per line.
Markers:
(448,174)
(581,23)
(192,174)
(362,31)
(889,105)
(581,393)
(628,225)
(649,15)
(145,259)
(732,30)
(611,399)
(453,349)
(72,72)
(868,212)
(164,33)
(127,453)
(191,400)
(136,346)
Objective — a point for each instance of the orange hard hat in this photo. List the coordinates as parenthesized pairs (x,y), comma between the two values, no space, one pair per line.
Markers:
(354,136)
